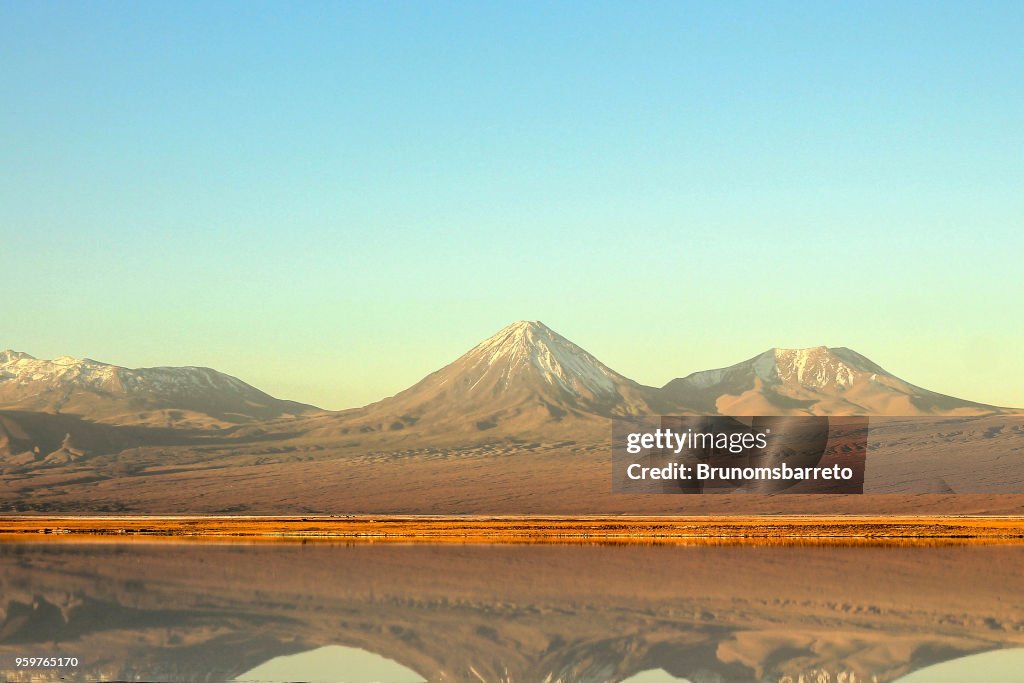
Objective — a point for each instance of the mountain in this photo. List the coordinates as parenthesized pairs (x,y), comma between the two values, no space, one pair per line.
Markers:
(529,381)
(166,396)
(818,381)
(523,378)
(519,424)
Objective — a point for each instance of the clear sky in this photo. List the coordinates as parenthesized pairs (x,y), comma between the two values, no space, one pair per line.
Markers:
(330,200)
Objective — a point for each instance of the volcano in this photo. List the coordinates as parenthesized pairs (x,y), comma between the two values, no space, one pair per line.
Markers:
(524,378)
(164,396)
(815,381)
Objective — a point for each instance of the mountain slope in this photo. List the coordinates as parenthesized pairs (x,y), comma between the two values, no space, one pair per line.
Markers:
(104,392)
(526,377)
(818,381)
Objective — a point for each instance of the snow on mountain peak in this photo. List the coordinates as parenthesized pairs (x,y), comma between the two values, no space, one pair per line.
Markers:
(820,367)
(11,355)
(99,390)
(816,367)
(23,369)
(532,345)
(813,367)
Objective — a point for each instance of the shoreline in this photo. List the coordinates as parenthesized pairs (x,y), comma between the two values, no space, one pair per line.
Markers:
(516,528)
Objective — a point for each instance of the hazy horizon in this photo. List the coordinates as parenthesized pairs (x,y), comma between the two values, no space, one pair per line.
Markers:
(331,201)
(412,381)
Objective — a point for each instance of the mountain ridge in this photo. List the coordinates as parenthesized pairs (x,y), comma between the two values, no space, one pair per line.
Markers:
(818,380)
(526,381)
(107,392)
(523,378)
(520,422)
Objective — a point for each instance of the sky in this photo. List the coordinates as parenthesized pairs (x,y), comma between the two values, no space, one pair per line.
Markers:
(331,200)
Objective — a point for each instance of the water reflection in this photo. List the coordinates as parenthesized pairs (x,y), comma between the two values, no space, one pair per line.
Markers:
(1000,665)
(643,614)
(654,676)
(331,664)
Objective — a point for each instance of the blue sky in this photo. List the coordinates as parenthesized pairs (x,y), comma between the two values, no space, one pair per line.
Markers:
(331,200)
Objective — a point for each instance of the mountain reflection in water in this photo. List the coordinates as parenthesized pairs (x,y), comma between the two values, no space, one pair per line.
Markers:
(330,664)
(703,613)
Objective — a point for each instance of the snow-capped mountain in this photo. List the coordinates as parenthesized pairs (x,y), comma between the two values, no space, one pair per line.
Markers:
(447,443)
(524,381)
(818,380)
(525,376)
(105,392)
(530,355)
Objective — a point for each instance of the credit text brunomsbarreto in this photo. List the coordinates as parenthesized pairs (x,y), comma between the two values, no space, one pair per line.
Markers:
(667,440)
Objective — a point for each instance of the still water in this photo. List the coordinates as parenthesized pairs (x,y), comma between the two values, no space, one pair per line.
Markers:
(531,613)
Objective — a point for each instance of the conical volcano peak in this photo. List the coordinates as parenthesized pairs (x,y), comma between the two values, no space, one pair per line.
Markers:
(524,376)
(528,330)
(532,346)
(527,325)
(518,341)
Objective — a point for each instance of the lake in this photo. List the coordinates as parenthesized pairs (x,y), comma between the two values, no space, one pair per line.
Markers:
(704,613)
